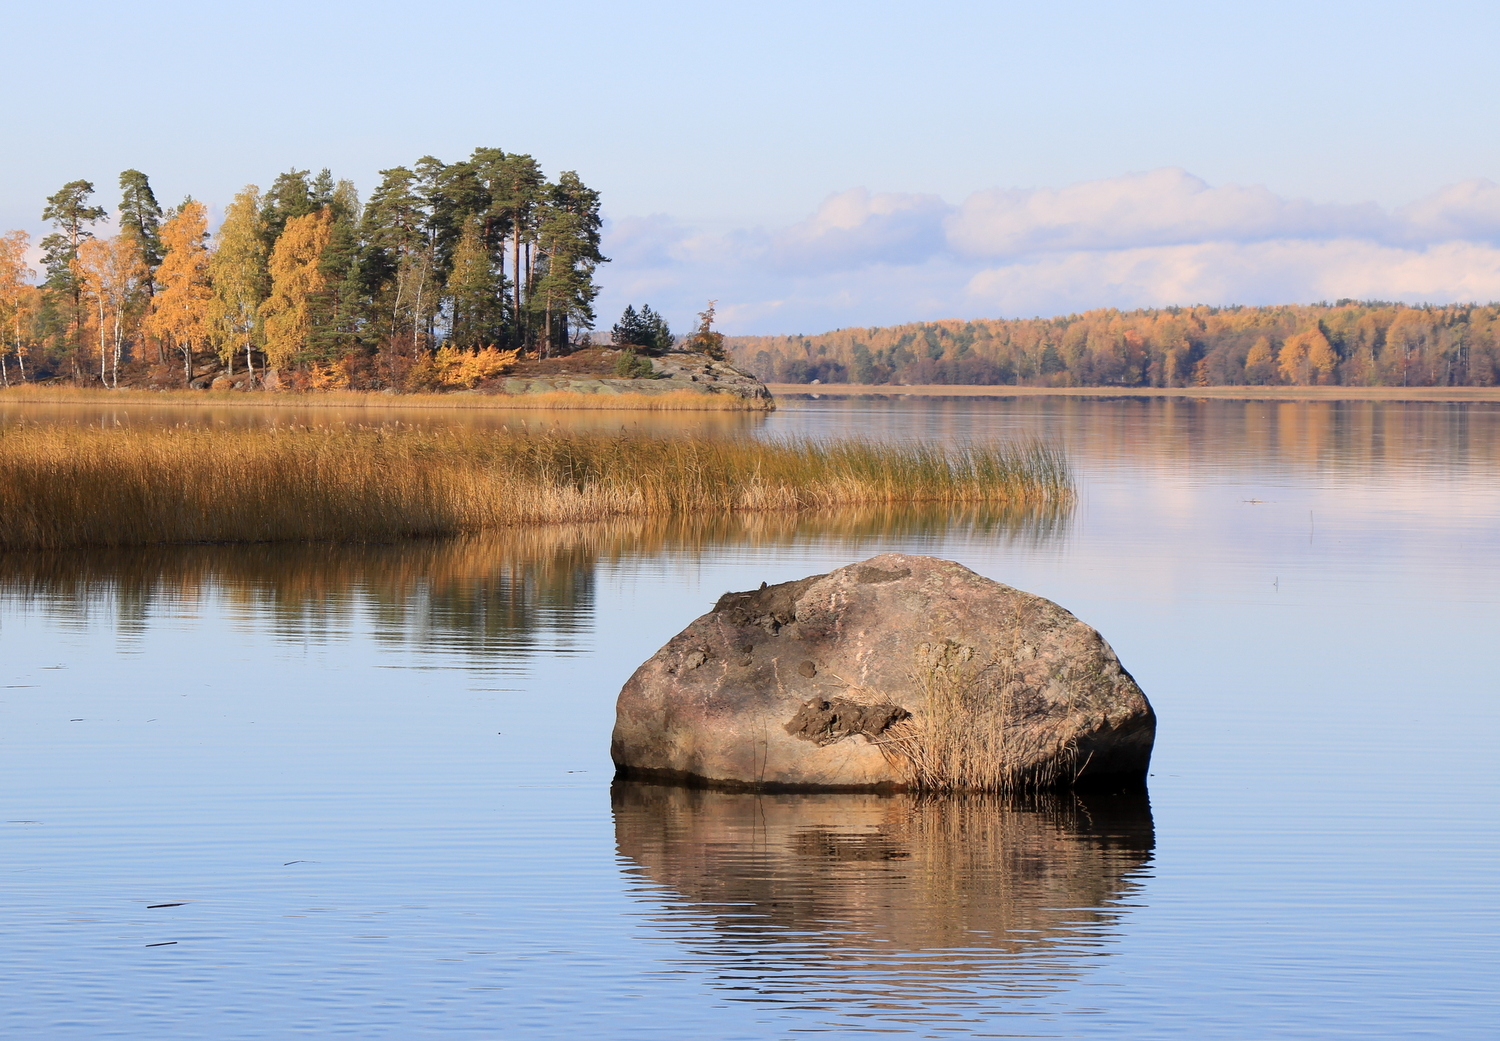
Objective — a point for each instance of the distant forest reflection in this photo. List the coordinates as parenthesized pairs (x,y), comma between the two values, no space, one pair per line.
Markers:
(902,907)
(485,598)
(1366,437)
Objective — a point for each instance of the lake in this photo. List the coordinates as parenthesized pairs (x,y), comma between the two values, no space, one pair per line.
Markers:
(365,791)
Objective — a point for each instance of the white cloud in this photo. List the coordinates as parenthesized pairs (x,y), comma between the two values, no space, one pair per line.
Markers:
(1468,210)
(855,228)
(1159,208)
(1154,239)
(1283,271)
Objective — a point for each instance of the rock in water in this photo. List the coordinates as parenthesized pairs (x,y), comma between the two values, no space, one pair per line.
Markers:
(899,672)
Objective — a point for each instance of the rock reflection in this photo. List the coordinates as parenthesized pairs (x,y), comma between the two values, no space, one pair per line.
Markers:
(898,907)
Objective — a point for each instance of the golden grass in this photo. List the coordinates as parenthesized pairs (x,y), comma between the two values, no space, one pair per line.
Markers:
(62,487)
(667,401)
(968,736)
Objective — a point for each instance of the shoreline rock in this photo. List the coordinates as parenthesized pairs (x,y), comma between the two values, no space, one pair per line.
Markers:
(679,370)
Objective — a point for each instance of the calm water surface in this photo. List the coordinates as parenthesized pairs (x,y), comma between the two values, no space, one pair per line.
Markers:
(268,792)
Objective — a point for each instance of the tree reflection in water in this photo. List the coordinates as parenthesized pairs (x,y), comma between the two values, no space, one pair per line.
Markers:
(897,907)
(488,600)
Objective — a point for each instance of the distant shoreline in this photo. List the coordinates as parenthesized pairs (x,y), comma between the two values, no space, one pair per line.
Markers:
(932,390)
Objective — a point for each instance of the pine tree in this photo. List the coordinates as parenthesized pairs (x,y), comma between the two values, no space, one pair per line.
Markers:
(568,247)
(647,330)
(475,291)
(629,331)
(140,215)
(396,265)
(289,197)
(70,213)
(323,188)
(490,169)
(516,202)
(659,338)
(337,312)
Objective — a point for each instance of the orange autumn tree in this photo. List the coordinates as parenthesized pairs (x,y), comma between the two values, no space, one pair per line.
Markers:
(296,279)
(111,273)
(179,310)
(1307,358)
(16,293)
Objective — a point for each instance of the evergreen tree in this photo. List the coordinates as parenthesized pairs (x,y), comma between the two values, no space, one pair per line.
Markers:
(70,213)
(659,337)
(516,200)
(490,169)
(629,331)
(568,247)
(476,291)
(322,189)
(141,216)
(395,264)
(289,197)
(647,330)
(337,312)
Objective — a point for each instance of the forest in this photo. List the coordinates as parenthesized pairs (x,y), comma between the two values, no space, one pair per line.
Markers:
(1355,343)
(441,278)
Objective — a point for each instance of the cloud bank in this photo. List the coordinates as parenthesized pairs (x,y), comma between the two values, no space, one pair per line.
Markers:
(1152,239)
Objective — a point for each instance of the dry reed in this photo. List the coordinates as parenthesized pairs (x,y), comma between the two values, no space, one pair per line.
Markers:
(970,735)
(64,487)
(563,400)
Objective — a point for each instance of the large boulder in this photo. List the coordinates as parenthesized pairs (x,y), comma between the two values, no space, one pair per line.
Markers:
(899,672)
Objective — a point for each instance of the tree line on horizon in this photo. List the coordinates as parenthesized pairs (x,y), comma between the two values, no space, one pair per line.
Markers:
(445,274)
(1354,343)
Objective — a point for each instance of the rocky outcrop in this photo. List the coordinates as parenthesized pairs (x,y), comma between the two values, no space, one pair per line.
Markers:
(896,672)
(676,371)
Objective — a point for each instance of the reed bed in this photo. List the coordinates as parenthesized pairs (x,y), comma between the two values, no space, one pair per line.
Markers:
(65,487)
(561,400)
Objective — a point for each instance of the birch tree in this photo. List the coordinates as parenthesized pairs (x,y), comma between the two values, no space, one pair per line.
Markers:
(238,275)
(111,272)
(15,291)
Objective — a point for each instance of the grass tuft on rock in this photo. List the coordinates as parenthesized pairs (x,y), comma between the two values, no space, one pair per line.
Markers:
(971,735)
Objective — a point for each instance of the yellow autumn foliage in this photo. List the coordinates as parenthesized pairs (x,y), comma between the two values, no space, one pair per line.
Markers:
(295,279)
(454,367)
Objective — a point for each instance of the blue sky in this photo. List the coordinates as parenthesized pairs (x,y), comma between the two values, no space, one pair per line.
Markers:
(822,164)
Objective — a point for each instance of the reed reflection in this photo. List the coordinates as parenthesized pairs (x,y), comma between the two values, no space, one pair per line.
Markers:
(917,909)
(485,599)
